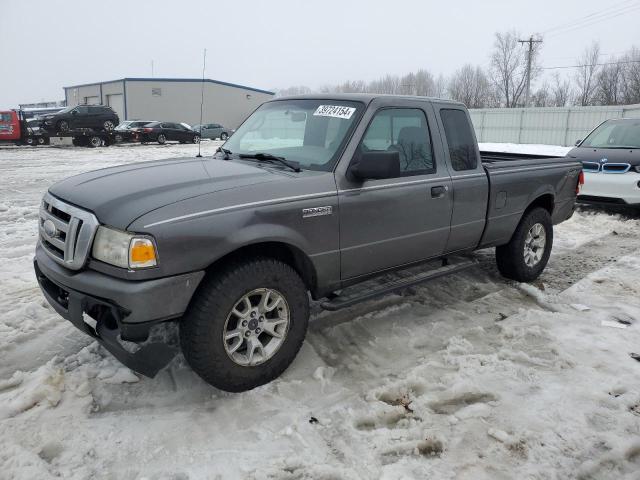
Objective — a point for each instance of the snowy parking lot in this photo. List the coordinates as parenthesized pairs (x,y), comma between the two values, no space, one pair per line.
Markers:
(467,377)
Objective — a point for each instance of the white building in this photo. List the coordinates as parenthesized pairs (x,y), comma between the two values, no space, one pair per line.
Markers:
(171,99)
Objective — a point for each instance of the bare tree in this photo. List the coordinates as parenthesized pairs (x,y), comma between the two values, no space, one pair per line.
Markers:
(387,84)
(586,75)
(425,86)
(296,90)
(509,67)
(440,87)
(561,91)
(609,85)
(470,86)
(631,76)
(542,97)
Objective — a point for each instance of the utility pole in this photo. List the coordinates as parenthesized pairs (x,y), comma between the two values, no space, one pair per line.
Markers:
(531,41)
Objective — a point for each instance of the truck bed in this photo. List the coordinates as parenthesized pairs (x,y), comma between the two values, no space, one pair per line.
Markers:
(515,180)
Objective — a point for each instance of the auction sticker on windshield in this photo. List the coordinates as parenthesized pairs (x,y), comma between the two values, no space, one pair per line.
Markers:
(337,111)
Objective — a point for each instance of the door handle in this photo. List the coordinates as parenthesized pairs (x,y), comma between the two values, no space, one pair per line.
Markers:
(439,191)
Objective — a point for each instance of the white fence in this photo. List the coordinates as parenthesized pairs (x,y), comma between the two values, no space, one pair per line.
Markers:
(548,125)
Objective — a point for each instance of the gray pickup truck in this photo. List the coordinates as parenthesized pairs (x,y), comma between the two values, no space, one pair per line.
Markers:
(312,195)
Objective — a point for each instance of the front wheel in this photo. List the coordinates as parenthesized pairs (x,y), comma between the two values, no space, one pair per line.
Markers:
(523,259)
(196,139)
(246,324)
(109,125)
(162,139)
(224,136)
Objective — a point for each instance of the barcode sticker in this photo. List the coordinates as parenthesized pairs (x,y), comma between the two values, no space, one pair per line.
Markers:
(337,111)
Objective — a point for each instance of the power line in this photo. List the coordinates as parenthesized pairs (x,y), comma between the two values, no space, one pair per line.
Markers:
(592,21)
(593,16)
(591,65)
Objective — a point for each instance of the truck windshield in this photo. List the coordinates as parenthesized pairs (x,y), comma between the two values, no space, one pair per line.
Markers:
(615,134)
(308,132)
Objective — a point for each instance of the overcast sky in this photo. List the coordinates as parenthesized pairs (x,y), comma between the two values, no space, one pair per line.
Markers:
(48,44)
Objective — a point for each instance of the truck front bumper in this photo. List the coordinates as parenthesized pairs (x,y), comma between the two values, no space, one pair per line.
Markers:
(109,308)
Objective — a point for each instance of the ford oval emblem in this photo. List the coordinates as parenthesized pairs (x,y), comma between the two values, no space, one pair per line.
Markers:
(50,228)
(604,160)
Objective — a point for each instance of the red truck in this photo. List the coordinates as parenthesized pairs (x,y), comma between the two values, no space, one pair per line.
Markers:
(16,129)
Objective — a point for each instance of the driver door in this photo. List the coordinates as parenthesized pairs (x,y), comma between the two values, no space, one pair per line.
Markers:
(395,221)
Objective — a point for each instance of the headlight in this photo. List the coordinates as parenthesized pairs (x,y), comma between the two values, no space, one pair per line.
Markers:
(124,249)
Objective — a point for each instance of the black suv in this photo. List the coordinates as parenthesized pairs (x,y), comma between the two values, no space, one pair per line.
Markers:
(99,117)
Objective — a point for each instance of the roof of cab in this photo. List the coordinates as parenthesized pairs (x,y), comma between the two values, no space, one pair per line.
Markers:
(363,97)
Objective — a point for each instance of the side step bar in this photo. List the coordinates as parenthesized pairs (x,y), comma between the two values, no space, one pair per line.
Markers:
(366,291)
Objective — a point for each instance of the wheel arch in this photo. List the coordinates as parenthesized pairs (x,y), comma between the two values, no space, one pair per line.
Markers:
(287,253)
(543,200)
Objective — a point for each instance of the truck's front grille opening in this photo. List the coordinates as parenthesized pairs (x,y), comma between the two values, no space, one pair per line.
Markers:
(66,232)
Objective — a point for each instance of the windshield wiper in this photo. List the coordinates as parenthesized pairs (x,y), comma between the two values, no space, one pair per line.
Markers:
(226,152)
(267,157)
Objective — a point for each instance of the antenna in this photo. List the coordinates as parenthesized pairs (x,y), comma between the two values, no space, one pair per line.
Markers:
(204,65)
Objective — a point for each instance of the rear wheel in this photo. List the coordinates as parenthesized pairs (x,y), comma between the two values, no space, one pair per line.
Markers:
(30,141)
(246,324)
(40,140)
(196,139)
(525,256)
(224,136)
(162,139)
(109,125)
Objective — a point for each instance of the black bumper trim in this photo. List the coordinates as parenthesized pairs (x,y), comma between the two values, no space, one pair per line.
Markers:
(148,360)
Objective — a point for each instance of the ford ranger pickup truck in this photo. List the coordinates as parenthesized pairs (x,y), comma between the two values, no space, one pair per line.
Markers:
(312,197)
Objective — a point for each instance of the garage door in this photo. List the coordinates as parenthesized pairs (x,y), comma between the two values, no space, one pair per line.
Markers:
(92,100)
(116,101)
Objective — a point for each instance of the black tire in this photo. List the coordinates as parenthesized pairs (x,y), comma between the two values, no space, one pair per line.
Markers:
(109,125)
(224,136)
(62,126)
(40,140)
(31,141)
(162,139)
(510,258)
(202,327)
(196,139)
(94,142)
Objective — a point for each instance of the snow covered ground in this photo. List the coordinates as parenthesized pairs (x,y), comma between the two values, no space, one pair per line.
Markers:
(468,377)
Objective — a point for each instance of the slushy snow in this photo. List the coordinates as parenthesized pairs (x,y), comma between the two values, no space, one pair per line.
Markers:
(467,377)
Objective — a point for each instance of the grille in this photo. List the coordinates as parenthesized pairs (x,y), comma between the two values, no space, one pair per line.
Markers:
(594,167)
(616,167)
(66,232)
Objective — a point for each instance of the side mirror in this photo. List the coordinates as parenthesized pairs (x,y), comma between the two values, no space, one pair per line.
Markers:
(74,112)
(578,142)
(375,165)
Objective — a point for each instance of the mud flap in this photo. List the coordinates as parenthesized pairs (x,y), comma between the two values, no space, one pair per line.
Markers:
(148,360)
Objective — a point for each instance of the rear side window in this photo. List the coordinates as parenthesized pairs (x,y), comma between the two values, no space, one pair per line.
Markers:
(404,130)
(460,139)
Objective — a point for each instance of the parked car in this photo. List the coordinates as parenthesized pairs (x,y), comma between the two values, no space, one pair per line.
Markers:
(610,157)
(125,130)
(162,132)
(213,131)
(311,194)
(99,117)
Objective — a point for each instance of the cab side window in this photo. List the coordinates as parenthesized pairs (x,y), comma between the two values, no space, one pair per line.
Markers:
(404,130)
(460,139)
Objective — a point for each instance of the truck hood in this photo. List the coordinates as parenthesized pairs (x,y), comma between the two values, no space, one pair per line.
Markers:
(119,195)
(613,155)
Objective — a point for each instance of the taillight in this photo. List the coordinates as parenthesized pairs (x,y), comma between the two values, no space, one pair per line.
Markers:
(580,182)
(147,130)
